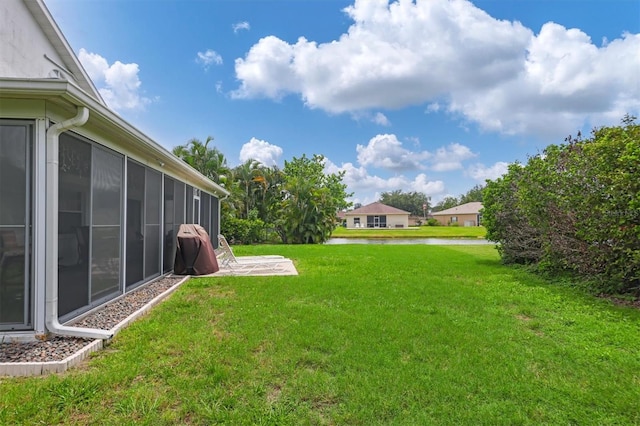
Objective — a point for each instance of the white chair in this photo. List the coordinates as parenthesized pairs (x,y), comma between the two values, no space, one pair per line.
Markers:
(245,265)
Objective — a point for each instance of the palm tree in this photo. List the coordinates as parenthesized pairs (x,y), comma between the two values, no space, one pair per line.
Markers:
(244,175)
(207,160)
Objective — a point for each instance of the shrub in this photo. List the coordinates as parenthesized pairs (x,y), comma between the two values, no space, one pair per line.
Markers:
(246,231)
(574,208)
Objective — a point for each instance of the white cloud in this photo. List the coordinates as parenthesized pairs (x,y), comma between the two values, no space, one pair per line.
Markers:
(452,56)
(117,83)
(266,71)
(244,25)
(368,187)
(450,157)
(481,173)
(208,58)
(433,107)
(94,64)
(262,151)
(566,83)
(381,119)
(385,151)
(430,187)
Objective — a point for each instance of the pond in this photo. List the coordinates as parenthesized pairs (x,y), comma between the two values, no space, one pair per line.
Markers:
(430,241)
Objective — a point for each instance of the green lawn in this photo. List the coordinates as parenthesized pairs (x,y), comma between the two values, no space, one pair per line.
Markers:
(414,232)
(365,335)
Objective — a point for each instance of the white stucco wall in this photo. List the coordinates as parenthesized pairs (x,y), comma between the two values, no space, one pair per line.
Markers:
(23,44)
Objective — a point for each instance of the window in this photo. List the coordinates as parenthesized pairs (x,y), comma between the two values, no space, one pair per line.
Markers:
(105,227)
(135,222)
(205,216)
(189,204)
(173,218)
(152,245)
(89,224)
(74,211)
(143,223)
(15,224)
(196,206)
(356,222)
(215,228)
(376,221)
(169,238)
(454,219)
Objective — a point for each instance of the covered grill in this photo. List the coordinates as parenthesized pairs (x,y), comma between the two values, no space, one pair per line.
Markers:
(194,254)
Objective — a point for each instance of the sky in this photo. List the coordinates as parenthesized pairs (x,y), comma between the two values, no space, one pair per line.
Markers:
(431,96)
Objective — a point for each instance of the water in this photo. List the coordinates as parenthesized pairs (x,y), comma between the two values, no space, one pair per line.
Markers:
(429,241)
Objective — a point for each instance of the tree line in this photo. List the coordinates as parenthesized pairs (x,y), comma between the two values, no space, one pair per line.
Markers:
(297,204)
(574,208)
(418,203)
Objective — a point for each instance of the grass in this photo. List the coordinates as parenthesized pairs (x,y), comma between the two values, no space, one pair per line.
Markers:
(365,335)
(413,232)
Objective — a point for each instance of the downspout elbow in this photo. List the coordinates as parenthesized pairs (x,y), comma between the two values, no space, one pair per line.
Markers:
(51,257)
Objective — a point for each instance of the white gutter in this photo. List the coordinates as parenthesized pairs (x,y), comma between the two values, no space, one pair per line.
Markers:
(54,88)
(51,257)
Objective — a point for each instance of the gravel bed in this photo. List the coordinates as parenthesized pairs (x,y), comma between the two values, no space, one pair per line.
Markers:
(58,348)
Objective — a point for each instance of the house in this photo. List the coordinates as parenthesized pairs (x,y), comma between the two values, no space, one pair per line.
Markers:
(377,215)
(464,215)
(89,205)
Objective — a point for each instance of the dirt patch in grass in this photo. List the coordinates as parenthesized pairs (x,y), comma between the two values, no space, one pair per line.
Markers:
(632,303)
(274,394)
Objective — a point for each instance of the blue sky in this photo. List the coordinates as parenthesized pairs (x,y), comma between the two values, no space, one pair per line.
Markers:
(432,96)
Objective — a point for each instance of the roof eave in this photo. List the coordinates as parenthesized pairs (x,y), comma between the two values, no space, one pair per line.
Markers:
(50,89)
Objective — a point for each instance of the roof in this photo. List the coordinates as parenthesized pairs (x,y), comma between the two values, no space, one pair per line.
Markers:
(468,208)
(376,208)
(71,65)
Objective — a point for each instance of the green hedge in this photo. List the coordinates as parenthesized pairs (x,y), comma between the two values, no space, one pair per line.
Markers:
(575,208)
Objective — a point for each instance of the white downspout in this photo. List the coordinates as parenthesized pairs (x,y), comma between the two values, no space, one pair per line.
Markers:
(51,257)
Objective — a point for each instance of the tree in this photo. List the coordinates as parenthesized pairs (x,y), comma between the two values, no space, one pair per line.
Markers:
(244,176)
(446,203)
(269,182)
(411,202)
(207,160)
(310,202)
(474,194)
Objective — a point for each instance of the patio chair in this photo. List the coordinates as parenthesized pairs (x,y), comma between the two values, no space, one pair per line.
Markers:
(248,264)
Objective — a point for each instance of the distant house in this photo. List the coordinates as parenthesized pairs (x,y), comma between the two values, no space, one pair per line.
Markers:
(464,215)
(377,215)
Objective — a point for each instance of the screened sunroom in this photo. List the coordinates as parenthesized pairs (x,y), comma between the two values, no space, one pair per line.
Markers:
(89,205)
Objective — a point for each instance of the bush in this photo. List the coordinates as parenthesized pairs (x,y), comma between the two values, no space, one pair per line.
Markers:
(433,222)
(574,208)
(245,231)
